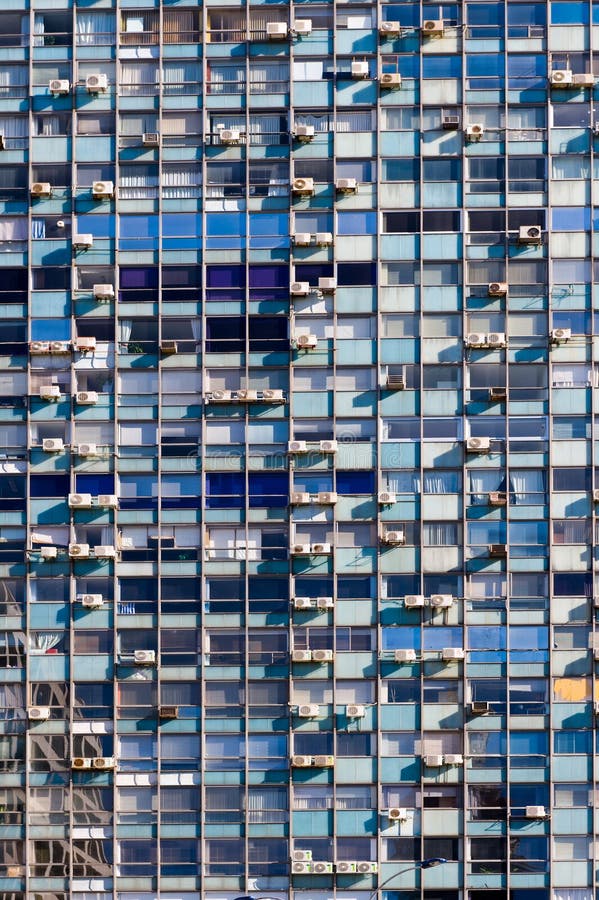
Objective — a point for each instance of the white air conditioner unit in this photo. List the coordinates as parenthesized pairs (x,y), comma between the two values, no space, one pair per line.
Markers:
(302,186)
(323,656)
(52,445)
(144,657)
(306,341)
(359,68)
(301,868)
(478,444)
(324,762)
(596,495)
(561,78)
(475,131)
(321,549)
(328,446)
(79,551)
(433,761)
(535,812)
(301,656)
(396,381)
(246,395)
(328,498)
(83,241)
(386,497)
(346,867)
(50,392)
(273,395)
(397,814)
(390,80)
(150,139)
(414,600)
(476,339)
(322,868)
(86,398)
(441,601)
(41,189)
(450,123)
(346,185)
(558,335)
(49,552)
(584,79)
(302,239)
(80,501)
(85,344)
(221,396)
(394,537)
(390,29)
(103,292)
(299,498)
(168,347)
(104,551)
(497,393)
(433,26)
(277,30)
(404,655)
(300,550)
(308,710)
(110,501)
(453,759)
(103,762)
(39,347)
(497,289)
(96,83)
(299,288)
(480,707)
(37,538)
(355,711)
(325,602)
(497,498)
(453,654)
(230,135)
(365,867)
(327,285)
(102,190)
(530,234)
(86,450)
(91,601)
(302,27)
(301,856)
(302,603)
(496,339)
(59,86)
(304,133)
(297,447)
(38,713)
(60,347)
(323,238)
(301,762)
(80,762)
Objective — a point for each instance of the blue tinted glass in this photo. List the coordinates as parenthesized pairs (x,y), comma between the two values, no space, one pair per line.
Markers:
(441,67)
(572,12)
(356,223)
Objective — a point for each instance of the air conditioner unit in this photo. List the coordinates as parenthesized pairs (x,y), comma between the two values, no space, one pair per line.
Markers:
(327,497)
(2,142)
(299,288)
(452,654)
(584,80)
(59,86)
(39,347)
(397,814)
(346,867)
(272,395)
(433,761)
(327,285)
(323,238)
(395,381)
(450,123)
(150,139)
(96,83)
(497,549)
(355,711)
(386,497)
(50,392)
(308,710)
(79,551)
(300,550)
(535,812)
(390,80)
(297,447)
(414,600)
(346,185)
(221,396)
(79,762)
(497,393)
(302,27)
(299,498)
(85,344)
(306,341)
(37,538)
(322,868)
(302,603)
(60,347)
(168,712)
(304,133)
(144,657)
(49,552)
(497,289)
(86,398)
(302,186)
(328,446)
(103,292)
(103,762)
(596,496)
(102,190)
(476,339)
(80,501)
(558,335)
(453,759)
(301,856)
(230,135)
(475,131)
(301,656)
(390,29)
(91,601)
(104,551)
(86,450)
(325,602)
(497,498)
(52,445)
(110,501)
(301,868)
(324,762)
(561,78)
(168,347)
(367,868)
(480,707)
(301,762)
(496,339)
(359,68)
(277,30)
(38,713)
(323,656)
(529,234)
(478,444)
(394,537)
(302,239)
(321,549)
(433,26)
(83,241)
(404,655)
(41,189)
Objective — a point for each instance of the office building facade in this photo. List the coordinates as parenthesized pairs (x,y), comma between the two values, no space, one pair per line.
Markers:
(297,535)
